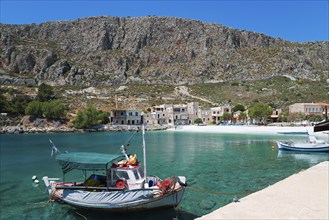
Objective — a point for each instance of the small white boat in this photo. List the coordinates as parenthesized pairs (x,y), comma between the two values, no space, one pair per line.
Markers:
(117,183)
(311,145)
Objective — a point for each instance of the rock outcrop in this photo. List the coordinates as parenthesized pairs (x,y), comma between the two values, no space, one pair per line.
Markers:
(150,50)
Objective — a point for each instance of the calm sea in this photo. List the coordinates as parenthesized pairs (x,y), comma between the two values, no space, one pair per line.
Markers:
(218,167)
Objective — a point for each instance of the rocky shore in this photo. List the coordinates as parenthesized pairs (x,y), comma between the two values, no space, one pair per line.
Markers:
(66,129)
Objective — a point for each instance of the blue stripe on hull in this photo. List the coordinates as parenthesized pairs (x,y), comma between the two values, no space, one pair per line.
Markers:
(320,149)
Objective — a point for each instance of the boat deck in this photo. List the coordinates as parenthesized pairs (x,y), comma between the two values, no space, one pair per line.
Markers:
(301,196)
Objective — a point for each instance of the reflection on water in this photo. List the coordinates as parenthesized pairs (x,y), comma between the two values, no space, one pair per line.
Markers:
(220,167)
(311,157)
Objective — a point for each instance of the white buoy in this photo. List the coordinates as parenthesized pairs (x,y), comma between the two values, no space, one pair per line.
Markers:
(36,181)
(34,178)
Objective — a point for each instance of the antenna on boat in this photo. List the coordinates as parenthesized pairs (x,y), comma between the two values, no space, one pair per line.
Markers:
(144,147)
(124,146)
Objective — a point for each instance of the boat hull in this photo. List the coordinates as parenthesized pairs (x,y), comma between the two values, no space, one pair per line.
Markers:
(170,200)
(115,201)
(303,147)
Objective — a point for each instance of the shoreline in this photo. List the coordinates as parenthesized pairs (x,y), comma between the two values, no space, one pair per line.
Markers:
(65,129)
(221,129)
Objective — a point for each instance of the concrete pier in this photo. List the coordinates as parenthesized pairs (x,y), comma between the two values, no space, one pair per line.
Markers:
(304,195)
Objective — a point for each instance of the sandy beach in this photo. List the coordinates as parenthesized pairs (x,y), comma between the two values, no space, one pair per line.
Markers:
(249,129)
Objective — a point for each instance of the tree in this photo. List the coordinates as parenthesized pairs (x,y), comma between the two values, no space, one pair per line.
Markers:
(314,118)
(260,112)
(53,109)
(18,104)
(295,116)
(45,92)
(238,107)
(3,104)
(243,116)
(103,117)
(34,108)
(226,116)
(87,118)
(198,121)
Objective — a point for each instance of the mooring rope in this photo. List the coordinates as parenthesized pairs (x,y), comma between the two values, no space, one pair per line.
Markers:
(82,215)
(220,193)
(44,204)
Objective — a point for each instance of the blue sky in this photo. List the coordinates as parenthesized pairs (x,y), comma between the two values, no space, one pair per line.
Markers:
(294,20)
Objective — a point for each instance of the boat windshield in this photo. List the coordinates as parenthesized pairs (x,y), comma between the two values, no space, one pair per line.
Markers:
(141,172)
(120,174)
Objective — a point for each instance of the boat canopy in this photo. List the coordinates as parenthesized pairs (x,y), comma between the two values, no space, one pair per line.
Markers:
(85,161)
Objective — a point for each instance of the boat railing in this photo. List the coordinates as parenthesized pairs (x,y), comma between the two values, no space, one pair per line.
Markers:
(90,187)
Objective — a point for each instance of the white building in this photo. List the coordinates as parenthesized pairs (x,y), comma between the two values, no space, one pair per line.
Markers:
(218,112)
(308,108)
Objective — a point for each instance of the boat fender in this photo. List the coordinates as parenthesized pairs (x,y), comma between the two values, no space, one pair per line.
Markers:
(35,181)
(165,184)
(120,184)
(182,180)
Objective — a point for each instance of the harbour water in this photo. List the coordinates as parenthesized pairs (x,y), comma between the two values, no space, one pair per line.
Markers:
(218,167)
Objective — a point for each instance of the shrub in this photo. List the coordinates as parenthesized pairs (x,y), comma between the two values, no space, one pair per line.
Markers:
(53,109)
(34,108)
(89,117)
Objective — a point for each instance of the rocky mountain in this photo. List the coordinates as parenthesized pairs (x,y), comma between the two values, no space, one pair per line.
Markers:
(112,51)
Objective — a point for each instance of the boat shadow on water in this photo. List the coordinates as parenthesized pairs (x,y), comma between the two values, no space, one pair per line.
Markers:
(165,214)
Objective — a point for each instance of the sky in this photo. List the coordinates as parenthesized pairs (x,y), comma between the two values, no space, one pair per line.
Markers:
(293,20)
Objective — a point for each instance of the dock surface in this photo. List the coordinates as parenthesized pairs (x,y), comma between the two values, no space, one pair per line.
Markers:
(304,195)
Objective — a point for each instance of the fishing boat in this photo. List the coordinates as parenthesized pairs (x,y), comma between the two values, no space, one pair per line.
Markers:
(310,145)
(118,182)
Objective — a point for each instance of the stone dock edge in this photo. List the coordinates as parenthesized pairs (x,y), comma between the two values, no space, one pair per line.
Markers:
(304,195)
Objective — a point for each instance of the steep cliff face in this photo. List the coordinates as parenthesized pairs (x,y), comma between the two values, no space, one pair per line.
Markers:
(153,50)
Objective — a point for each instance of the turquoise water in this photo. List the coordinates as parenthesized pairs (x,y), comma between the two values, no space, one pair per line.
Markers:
(218,167)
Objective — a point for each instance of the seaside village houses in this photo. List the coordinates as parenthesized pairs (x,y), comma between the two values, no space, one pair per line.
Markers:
(170,115)
(185,114)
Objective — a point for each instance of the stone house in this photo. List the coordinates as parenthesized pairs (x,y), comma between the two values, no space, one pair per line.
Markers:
(160,114)
(218,112)
(309,108)
(192,111)
(125,117)
(178,115)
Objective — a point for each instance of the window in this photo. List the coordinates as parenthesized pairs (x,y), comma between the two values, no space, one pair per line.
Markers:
(141,171)
(136,174)
(136,113)
(121,113)
(120,174)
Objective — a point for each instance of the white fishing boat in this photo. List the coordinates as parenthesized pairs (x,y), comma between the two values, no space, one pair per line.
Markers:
(310,145)
(118,183)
